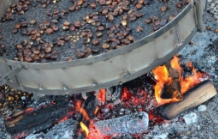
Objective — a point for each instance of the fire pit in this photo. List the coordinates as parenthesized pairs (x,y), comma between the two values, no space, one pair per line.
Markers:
(75,76)
(131,109)
(150,106)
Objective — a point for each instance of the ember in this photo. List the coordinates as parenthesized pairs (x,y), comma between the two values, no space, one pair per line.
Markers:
(102,95)
(126,95)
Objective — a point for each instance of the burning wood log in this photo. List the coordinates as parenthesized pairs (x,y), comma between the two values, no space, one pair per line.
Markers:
(172,90)
(133,124)
(194,97)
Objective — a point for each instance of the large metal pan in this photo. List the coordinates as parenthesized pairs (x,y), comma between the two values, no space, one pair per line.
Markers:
(108,69)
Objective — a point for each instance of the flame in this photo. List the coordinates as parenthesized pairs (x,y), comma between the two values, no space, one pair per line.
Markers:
(102,95)
(192,80)
(174,63)
(161,74)
(96,110)
(84,128)
(81,110)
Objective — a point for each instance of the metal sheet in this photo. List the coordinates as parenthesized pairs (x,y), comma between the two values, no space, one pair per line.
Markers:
(112,68)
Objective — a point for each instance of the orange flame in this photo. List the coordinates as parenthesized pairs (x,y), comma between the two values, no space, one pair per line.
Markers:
(96,110)
(161,74)
(192,80)
(81,110)
(162,77)
(102,95)
(174,63)
(84,128)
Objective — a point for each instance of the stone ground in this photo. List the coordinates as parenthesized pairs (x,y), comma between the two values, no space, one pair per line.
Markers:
(204,119)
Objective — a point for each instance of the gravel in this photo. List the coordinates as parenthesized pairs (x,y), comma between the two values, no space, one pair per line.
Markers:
(213,8)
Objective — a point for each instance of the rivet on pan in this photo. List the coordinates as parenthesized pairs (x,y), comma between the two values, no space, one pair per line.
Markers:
(156,60)
(127,74)
(65,88)
(40,87)
(94,84)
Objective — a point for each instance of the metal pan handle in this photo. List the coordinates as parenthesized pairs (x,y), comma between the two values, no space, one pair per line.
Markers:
(10,75)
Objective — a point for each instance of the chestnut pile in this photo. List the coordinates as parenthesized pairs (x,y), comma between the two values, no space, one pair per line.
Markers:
(11,99)
(108,25)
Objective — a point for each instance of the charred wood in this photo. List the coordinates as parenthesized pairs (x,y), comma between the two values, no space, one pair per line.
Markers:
(37,120)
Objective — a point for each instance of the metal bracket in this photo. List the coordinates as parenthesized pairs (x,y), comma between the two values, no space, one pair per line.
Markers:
(10,75)
(200,5)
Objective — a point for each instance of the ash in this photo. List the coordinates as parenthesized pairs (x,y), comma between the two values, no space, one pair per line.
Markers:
(64,130)
(198,123)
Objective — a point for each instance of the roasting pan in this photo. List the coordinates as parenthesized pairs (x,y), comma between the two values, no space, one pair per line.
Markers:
(105,70)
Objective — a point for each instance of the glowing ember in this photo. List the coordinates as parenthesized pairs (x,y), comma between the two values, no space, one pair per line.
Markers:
(155,118)
(29,110)
(93,133)
(63,119)
(84,128)
(133,100)
(68,115)
(161,74)
(126,95)
(102,95)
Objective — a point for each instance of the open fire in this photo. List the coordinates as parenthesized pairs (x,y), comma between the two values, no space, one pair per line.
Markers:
(131,108)
(161,74)
(162,78)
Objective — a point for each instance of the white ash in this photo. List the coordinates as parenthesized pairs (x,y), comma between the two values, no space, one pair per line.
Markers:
(133,124)
(190,118)
(202,108)
(36,136)
(63,130)
(161,136)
